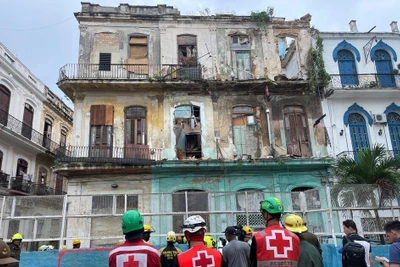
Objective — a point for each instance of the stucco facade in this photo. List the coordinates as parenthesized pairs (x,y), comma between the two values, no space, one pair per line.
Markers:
(24,150)
(167,103)
(367,89)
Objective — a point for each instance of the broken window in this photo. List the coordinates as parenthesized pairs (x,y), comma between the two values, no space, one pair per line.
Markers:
(296,131)
(196,201)
(305,196)
(287,49)
(249,200)
(187,50)
(187,130)
(244,126)
(241,60)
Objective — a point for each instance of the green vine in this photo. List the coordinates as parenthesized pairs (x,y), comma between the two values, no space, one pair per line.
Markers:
(317,74)
(262,17)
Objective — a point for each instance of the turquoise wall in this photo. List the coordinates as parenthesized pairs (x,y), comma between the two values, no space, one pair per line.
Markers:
(279,176)
(99,257)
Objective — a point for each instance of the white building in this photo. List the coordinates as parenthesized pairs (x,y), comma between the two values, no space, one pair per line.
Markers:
(362,100)
(27,145)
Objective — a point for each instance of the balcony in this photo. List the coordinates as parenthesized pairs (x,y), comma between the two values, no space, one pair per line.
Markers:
(26,186)
(364,81)
(353,154)
(132,155)
(130,72)
(23,130)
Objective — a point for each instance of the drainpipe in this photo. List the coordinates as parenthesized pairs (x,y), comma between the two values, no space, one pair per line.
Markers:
(271,142)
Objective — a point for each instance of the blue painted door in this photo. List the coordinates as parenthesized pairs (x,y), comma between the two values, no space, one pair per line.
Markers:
(347,68)
(358,132)
(394,131)
(384,68)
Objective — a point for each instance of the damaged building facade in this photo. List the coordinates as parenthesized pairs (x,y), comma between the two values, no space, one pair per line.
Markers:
(189,105)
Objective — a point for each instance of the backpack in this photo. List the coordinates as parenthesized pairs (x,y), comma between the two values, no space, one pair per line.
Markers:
(353,254)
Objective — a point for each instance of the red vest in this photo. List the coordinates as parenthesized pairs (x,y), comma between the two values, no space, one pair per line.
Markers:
(200,256)
(134,253)
(276,246)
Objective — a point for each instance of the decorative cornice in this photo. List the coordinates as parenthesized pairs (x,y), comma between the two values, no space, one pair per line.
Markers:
(347,46)
(384,46)
(356,109)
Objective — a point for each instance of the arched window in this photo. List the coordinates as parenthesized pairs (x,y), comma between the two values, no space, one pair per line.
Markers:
(22,178)
(306,194)
(393,119)
(135,119)
(197,200)
(27,121)
(384,68)
(1,159)
(4,104)
(48,125)
(296,131)
(358,132)
(347,68)
(249,200)
(63,138)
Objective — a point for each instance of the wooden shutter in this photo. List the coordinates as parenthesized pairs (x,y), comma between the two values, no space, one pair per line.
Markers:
(109,115)
(101,115)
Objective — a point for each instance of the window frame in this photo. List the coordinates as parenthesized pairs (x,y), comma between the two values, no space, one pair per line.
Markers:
(105,61)
(134,120)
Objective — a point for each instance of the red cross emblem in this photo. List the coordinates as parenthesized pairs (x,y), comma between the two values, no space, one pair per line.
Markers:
(203,259)
(131,262)
(279,243)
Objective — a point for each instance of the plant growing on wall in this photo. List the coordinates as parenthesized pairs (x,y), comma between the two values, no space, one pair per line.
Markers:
(317,74)
(262,17)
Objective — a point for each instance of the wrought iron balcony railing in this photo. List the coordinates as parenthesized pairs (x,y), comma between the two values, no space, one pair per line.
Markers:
(364,81)
(24,130)
(353,154)
(130,72)
(134,154)
(26,186)
(4,178)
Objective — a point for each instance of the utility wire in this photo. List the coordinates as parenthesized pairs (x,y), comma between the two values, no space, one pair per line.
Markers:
(36,29)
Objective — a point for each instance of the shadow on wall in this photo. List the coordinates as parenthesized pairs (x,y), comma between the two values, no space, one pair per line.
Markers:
(99,257)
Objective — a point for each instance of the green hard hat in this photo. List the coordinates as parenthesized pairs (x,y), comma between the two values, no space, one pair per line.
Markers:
(132,221)
(272,205)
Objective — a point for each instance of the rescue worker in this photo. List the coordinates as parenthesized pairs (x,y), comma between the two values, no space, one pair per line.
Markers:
(15,248)
(134,251)
(274,246)
(148,229)
(169,252)
(309,254)
(248,234)
(76,243)
(210,241)
(311,238)
(5,255)
(194,229)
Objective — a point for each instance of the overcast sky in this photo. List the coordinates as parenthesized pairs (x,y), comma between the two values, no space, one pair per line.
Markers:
(44,35)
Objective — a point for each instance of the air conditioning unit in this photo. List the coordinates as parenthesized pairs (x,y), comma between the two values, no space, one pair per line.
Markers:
(380,118)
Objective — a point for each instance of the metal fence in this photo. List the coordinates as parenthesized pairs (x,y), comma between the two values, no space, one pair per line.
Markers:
(95,219)
(151,72)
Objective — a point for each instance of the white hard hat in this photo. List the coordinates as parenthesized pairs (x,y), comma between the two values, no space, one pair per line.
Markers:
(46,247)
(171,237)
(194,223)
